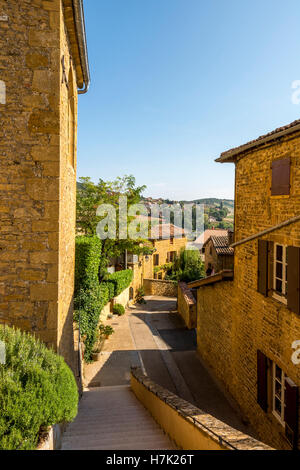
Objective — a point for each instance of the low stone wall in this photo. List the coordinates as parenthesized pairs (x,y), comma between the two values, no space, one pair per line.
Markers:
(188,426)
(52,440)
(160,287)
(187,305)
(122,299)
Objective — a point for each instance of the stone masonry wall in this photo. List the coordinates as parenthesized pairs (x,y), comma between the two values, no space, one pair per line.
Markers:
(234,320)
(67,202)
(36,188)
(186,305)
(190,427)
(160,287)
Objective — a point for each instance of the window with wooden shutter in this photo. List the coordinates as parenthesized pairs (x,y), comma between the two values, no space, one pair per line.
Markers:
(156,260)
(281,177)
(262,277)
(293,279)
(262,380)
(291,411)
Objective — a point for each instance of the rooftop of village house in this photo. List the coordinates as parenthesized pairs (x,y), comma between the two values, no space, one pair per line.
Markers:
(221,244)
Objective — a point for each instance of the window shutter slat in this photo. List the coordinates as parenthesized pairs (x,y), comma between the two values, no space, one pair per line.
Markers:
(281,177)
(262,380)
(262,277)
(291,411)
(293,279)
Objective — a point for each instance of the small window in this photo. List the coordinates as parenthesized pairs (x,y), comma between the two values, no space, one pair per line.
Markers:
(281,177)
(171,256)
(156,260)
(171,241)
(278,403)
(280,271)
(159,275)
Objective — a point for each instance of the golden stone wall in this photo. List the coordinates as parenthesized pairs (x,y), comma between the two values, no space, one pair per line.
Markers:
(234,320)
(186,305)
(37,185)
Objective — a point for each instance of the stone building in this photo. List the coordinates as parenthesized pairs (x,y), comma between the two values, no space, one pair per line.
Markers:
(165,250)
(247,327)
(218,255)
(43,64)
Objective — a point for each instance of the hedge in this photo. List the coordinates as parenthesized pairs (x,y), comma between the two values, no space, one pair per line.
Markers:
(88,305)
(121,280)
(89,296)
(37,390)
(87,260)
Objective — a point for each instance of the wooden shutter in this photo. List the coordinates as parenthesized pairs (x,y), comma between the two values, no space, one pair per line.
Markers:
(281,177)
(262,275)
(291,411)
(262,380)
(293,279)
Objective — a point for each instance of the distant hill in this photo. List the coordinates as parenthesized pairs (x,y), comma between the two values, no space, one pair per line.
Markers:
(206,201)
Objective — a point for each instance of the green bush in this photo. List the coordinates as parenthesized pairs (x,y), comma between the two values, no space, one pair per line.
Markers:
(119,309)
(121,280)
(87,260)
(88,306)
(37,390)
(90,297)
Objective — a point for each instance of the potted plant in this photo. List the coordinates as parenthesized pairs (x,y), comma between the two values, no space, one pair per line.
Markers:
(106,331)
(140,296)
(96,353)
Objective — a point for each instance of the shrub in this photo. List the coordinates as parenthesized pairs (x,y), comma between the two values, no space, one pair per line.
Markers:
(121,280)
(37,390)
(88,254)
(119,309)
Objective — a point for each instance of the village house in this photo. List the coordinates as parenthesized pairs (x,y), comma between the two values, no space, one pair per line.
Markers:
(44,63)
(218,254)
(248,321)
(164,252)
(199,242)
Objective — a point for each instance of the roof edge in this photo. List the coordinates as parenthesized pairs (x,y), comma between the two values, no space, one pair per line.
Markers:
(230,155)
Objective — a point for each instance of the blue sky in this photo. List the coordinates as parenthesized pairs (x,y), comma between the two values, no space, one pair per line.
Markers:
(176,82)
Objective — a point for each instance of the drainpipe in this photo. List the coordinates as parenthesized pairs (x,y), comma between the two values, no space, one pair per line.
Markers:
(81,36)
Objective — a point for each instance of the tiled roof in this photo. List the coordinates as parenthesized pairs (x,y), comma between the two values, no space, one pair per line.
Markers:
(208,233)
(221,245)
(275,134)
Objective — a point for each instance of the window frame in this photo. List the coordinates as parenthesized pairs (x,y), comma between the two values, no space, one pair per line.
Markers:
(282,297)
(275,380)
(156,257)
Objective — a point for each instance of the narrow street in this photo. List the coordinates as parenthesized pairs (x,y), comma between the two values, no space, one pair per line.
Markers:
(153,336)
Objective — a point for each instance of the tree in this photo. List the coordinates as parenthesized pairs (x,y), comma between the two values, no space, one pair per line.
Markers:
(90,196)
(187,267)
